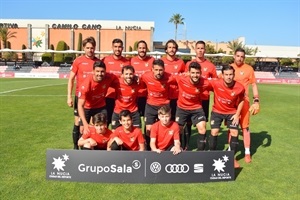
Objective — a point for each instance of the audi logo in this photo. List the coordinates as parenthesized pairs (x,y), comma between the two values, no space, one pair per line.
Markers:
(177,168)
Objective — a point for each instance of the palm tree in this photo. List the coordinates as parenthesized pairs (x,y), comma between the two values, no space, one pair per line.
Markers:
(176,19)
(234,45)
(5,35)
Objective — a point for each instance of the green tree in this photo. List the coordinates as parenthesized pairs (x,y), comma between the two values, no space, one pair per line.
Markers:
(234,45)
(210,49)
(24,57)
(5,35)
(286,62)
(61,46)
(176,19)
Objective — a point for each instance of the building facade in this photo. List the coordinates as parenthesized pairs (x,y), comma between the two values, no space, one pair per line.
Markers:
(39,34)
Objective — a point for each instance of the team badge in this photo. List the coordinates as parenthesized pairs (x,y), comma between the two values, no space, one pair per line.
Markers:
(146,64)
(163,85)
(104,86)
(232,94)
(241,72)
(197,90)
(175,66)
(171,132)
(205,69)
(132,90)
(131,139)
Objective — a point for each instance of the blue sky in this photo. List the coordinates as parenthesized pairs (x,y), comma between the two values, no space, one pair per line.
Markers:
(261,22)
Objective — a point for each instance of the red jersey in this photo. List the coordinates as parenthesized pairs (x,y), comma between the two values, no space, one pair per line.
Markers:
(126,96)
(130,140)
(82,67)
(94,92)
(190,94)
(174,67)
(114,66)
(226,99)
(140,67)
(158,90)
(208,70)
(244,75)
(165,135)
(101,139)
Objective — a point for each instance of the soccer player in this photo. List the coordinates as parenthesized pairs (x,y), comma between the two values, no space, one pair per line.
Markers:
(189,102)
(142,63)
(165,133)
(208,71)
(114,64)
(81,68)
(244,74)
(127,93)
(98,135)
(158,83)
(174,66)
(228,102)
(91,95)
(126,137)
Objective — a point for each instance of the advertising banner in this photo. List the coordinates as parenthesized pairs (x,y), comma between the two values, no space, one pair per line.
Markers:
(139,167)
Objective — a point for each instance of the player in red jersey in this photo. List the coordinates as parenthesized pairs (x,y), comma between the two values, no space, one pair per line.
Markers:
(245,75)
(142,63)
(91,96)
(189,102)
(114,64)
(98,135)
(174,66)
(165,133)
(208,71)
(158,83)
(127,93)
(126,137)
(81,68)
(228,102)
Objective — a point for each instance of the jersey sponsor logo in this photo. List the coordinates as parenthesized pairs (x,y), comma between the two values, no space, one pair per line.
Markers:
(177,168)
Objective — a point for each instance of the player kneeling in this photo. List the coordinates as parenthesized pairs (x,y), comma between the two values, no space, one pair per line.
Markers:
(164,133)
(97,136)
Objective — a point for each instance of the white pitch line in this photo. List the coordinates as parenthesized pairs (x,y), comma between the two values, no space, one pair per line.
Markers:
(27,88)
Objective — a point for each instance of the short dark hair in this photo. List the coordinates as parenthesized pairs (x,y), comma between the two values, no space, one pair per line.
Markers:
(125,113)
(89,40)
(240,50)
(117,40)
(99,64)
(227,67)
(99,118)
(194,65)
(200,42)
(159,62)
(173,42)
(128,67)
(142,42)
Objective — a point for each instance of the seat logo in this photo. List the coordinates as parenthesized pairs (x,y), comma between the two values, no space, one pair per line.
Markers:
(177,168)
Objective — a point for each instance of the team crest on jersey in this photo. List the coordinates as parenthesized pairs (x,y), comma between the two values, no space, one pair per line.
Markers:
(241,72)
(104,86)
(232,94)
(205,69)
(197,90)
(146,64)
(82,87)
(171,132)
(163,85)
(131,139)
(132,90)
(121,65)
(175,66)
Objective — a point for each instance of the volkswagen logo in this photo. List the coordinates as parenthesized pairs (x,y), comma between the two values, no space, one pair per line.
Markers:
(155,167)
(177,168)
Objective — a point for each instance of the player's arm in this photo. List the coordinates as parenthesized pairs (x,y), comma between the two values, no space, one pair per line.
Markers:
(153,145)
(177,148)
(235,118)
(254,109)
(114,139)
(81,113)
(142,146)
(70,89)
